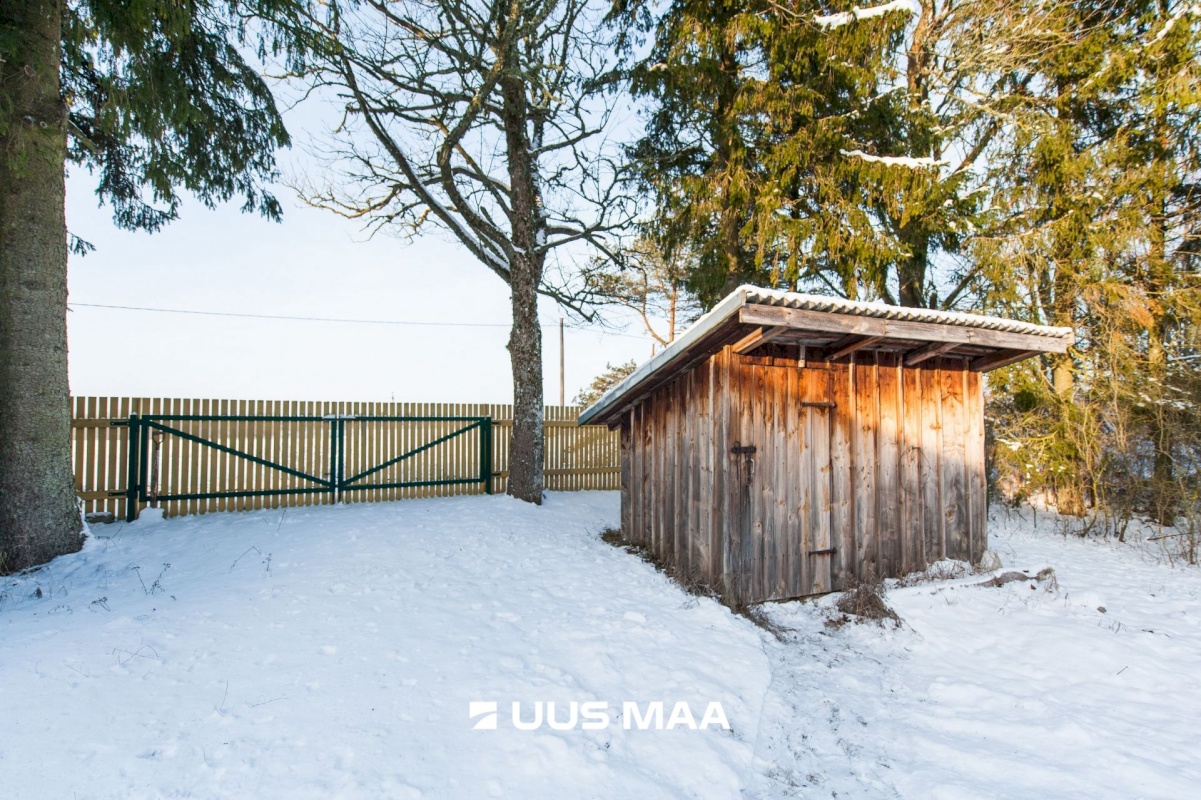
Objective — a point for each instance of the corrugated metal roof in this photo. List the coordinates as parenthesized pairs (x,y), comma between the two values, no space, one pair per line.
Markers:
(836,305)
(754,295)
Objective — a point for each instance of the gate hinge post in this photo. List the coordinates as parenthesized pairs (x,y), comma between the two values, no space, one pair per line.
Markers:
(134,468)
(486,454)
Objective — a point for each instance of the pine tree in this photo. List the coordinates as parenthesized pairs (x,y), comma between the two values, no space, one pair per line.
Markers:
(613,375)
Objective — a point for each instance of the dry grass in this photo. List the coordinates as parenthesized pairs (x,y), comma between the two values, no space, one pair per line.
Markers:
(864,602)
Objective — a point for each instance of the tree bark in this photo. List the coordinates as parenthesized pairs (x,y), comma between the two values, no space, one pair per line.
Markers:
(526,454)
(1165,504)
(725,139)
(1069,484)
(1164,501)
(38,516)
(911,272)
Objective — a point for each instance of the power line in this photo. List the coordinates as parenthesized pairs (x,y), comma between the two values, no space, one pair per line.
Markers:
(242,315)
(293,318)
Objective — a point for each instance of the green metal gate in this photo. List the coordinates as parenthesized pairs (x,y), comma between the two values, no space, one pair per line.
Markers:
(147,431)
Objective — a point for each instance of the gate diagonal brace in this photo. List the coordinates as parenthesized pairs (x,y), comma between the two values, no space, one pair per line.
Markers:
(231,451)
(346,481)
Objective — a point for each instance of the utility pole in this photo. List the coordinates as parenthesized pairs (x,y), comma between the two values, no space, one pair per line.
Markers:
(562,367)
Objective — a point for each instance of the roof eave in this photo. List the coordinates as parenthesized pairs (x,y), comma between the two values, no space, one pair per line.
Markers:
(1017,346)
(600,411)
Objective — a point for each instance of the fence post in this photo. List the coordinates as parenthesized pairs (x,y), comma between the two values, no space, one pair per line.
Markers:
(334,481)
(144,432)
(341,456)
(134,467)
(486,454)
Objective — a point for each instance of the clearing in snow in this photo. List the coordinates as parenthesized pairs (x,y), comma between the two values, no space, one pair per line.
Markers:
(337,652)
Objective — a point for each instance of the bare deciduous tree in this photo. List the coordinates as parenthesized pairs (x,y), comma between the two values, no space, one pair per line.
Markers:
(649,282)
(486,119)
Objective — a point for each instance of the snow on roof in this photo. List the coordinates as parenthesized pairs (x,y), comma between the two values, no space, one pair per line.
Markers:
(754,295)
(837,305)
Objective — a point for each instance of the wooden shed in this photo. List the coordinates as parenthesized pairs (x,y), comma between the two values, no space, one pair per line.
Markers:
(787,444)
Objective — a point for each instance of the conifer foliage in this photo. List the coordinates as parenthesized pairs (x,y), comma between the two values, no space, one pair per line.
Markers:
(154,97)
(1036,159)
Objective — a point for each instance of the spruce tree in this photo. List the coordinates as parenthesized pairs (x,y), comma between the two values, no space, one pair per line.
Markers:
(1099,230)
(1156,160)
(841,150)
(153,97)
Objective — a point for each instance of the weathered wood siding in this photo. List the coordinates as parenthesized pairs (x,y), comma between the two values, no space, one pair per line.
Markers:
(862,468)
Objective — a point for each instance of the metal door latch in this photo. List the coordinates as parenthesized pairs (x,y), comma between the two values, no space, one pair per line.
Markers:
(747,451)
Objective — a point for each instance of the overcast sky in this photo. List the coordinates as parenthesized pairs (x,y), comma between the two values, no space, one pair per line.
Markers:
(313,264)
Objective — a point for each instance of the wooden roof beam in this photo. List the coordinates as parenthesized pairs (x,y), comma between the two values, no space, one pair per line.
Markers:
(759,337)
(758,314)
(915,357)
(1001,359)
(849,344)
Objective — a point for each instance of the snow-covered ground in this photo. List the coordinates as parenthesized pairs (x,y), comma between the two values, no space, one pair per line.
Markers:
(1089,687)
(334,652)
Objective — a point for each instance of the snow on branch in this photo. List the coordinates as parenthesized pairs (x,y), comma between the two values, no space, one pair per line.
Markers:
(897,161)
(1194,9)
(847,17)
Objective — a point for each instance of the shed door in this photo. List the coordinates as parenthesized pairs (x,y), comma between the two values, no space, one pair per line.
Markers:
(784,496)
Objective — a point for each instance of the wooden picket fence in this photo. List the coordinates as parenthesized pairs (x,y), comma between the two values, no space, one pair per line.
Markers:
(576,458)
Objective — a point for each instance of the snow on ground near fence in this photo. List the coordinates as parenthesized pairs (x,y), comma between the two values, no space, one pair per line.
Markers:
(344,667)
(332,652)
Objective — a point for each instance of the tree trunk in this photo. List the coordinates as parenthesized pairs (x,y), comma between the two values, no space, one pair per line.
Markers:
(526,479)
(725,139)
(1164,500)
(911,272)
(1165,503)
(38,517)
(1164,492)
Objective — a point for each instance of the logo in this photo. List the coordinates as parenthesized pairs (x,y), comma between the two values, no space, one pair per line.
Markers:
(593,715)
(486,710)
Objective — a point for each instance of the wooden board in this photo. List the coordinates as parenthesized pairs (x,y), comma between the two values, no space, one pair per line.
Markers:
(977,490)
(888,465)
(912,549)
(933,542)
(577,457)
(863,453)
(954,464)
(842,512)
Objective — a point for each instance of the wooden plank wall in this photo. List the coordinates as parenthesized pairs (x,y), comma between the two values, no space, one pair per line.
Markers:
(576,458)
(890,479)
